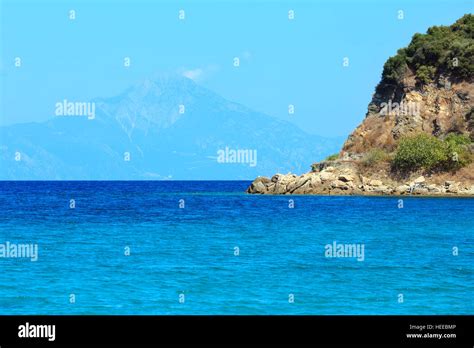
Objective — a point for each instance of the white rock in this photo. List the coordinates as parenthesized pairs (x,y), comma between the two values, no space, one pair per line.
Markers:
(259,187)
(433,188)
(375,182)
(315,180)
(419,180)
(280,188)
(402,189)
(326,176)
(329,169)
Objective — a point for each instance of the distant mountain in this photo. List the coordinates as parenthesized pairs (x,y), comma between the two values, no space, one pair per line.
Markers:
(168,128)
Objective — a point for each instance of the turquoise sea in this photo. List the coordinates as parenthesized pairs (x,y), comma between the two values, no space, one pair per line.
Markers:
(170,247)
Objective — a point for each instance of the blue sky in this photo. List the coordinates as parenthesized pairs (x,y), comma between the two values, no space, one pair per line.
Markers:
(282,61)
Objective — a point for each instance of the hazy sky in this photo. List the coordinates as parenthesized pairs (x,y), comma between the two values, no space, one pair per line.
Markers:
(282,61)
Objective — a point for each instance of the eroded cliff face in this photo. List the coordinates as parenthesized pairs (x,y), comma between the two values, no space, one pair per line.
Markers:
(437,109)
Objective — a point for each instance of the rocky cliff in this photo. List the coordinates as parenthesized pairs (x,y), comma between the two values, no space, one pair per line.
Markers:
(425,96)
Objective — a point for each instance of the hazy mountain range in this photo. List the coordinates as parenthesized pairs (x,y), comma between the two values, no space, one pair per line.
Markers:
(168,128)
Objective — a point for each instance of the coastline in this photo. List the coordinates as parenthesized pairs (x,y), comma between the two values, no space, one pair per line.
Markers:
(346,178)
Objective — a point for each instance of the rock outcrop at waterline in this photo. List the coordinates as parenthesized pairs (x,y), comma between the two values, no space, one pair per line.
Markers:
(427,88)
(342,178)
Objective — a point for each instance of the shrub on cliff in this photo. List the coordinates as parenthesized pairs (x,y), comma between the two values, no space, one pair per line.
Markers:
(442,50)
(395,68)
(430,153)
(419,151)
(375,156)
(332,157)
(457,150)
(425,74)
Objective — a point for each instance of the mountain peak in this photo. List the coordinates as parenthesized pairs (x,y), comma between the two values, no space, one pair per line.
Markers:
(167,126)
(153,104)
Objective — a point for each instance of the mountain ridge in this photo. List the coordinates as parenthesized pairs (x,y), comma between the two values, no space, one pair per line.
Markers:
(171,127)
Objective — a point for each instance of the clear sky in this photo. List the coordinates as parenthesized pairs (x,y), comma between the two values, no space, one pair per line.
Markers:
(282,61)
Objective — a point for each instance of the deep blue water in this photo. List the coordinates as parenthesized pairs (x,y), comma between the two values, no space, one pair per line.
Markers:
(173,251)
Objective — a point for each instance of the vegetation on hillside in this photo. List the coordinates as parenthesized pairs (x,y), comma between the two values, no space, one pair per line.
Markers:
(447,50)
(332,157)
(424,151)
(375,156)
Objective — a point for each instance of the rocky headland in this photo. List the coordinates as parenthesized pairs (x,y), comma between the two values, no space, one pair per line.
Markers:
(417,137)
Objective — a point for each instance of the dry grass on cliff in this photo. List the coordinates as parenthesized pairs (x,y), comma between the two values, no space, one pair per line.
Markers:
(381,169)
(465,175)
(374,132)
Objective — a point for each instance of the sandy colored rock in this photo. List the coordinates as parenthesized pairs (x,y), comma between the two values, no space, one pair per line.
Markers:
(346,177)
(402,189)
(327,176)
(375,182)
(419,180)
